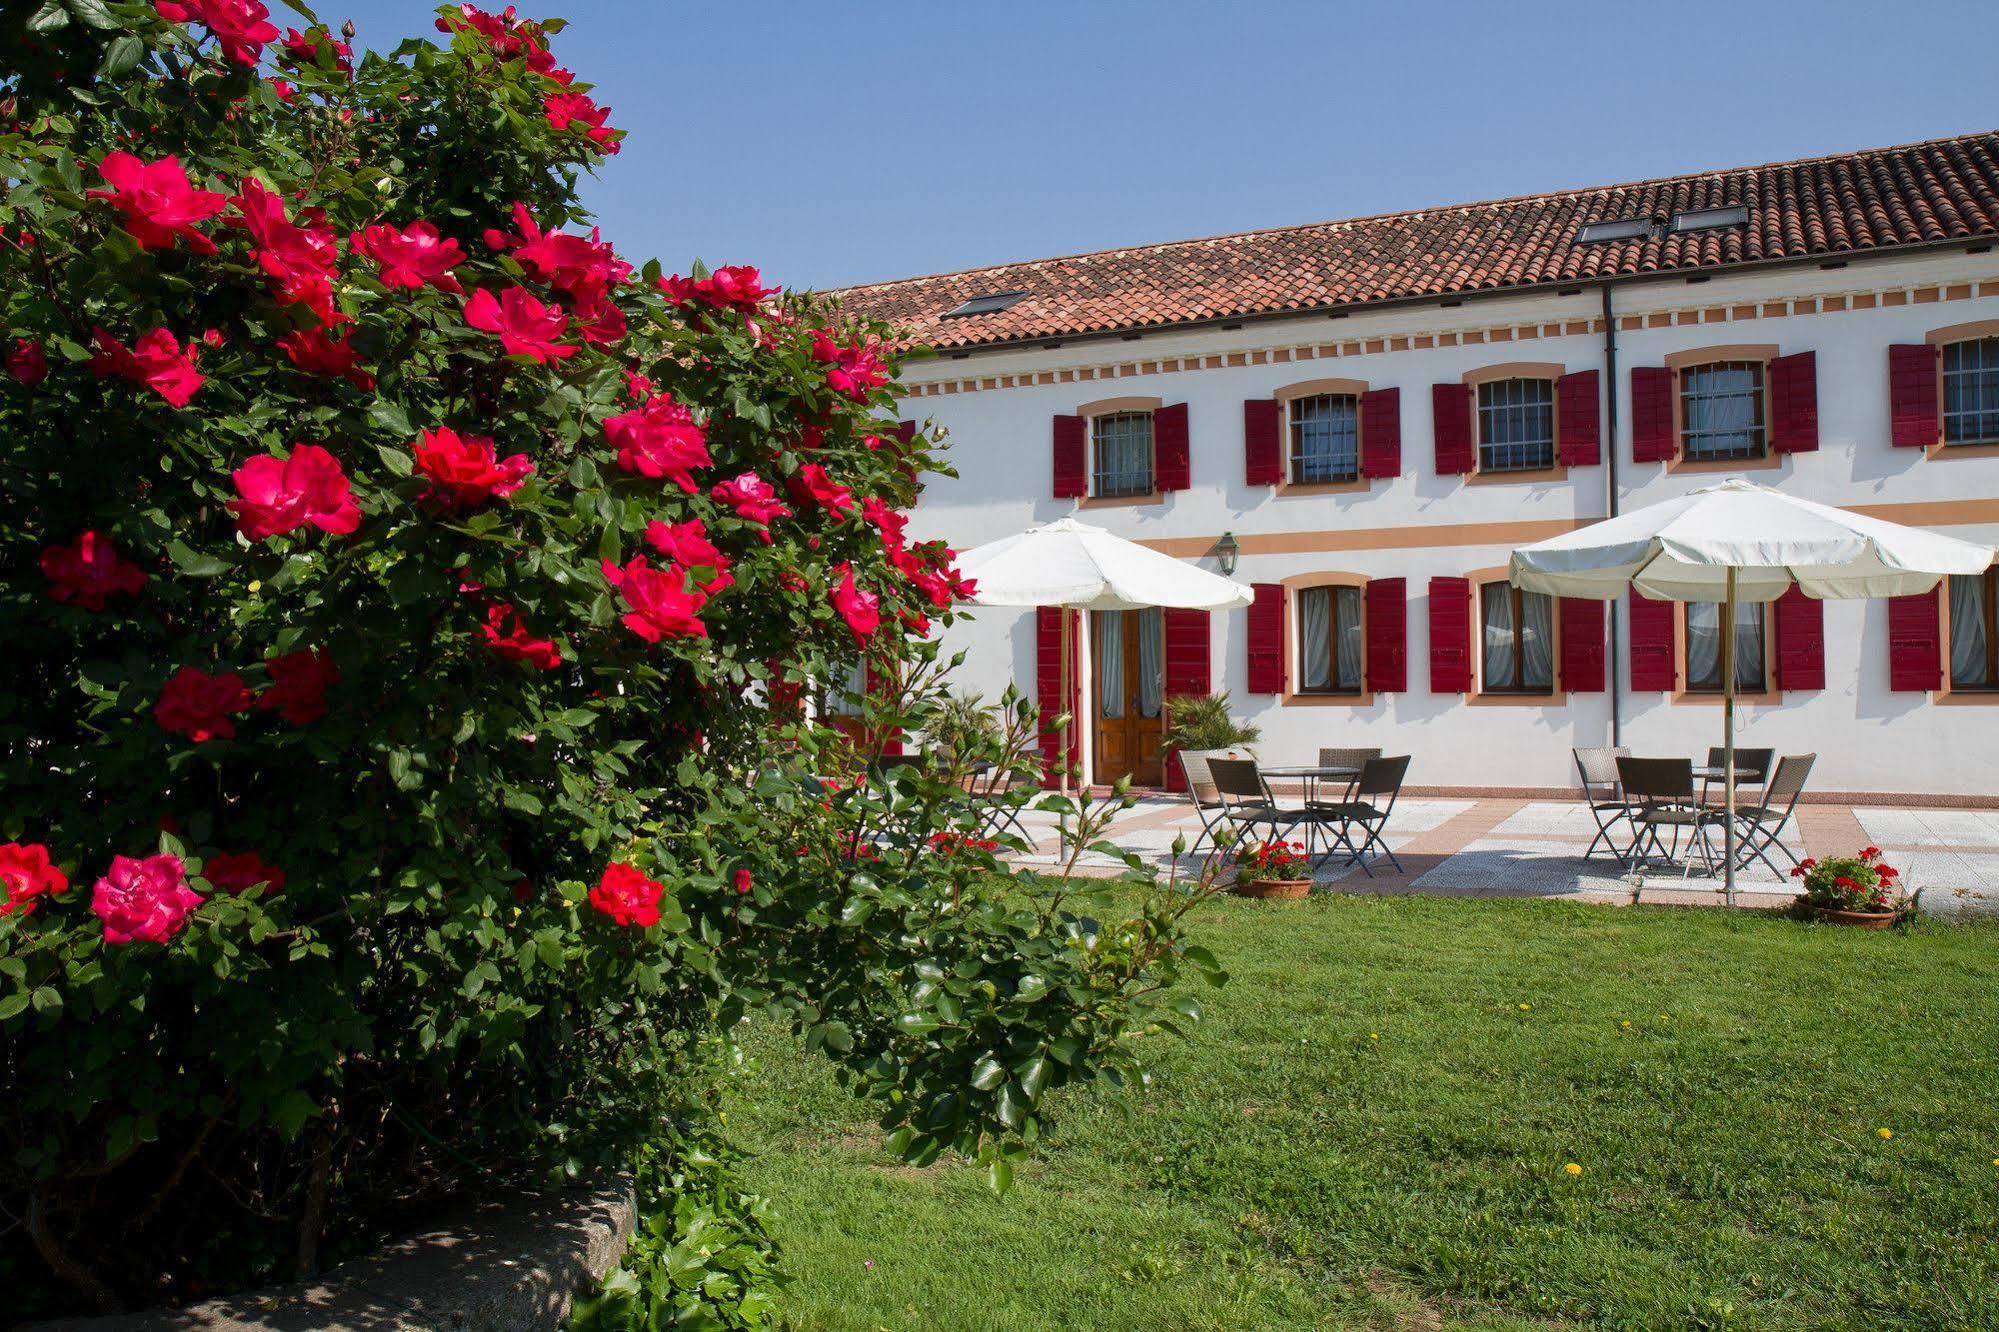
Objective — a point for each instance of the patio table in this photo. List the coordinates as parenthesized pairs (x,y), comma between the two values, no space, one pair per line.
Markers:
(1313,774)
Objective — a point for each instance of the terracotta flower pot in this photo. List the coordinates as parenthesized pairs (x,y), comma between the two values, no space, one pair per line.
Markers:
(1272,888)
(1860,920)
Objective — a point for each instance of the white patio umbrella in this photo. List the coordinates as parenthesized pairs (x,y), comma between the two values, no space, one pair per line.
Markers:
(1740,542)
(1076,566)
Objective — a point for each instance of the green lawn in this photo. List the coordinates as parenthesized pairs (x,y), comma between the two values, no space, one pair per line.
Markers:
(1370,1131)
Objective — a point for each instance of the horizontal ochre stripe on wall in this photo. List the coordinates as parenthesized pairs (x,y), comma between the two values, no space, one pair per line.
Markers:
(1915,513)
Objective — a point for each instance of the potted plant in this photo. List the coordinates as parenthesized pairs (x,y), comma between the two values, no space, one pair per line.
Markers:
(1273,869)
(1859,890)
(1200,723)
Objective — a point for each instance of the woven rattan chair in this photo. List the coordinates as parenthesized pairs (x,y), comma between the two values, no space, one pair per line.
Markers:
(1343,758)
(1246,799)
(1762,824)
(1603,796)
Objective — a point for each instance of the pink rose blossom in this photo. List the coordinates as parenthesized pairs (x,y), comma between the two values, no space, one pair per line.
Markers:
(144,900)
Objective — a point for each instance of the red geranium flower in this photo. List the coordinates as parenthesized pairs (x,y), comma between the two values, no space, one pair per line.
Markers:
(466,471)
(199,705)
(158,201)
(89,571)
(237,24)
(659,438)
(508,636)
(26,873)
(564,109)
(236,872)
(627,896)
(299,681)
(279,495)
(526,326)
(156,361)
(754,500)
(27,362)
(663,605)
(859,608)
(314,351)
(687,543)
(412,257)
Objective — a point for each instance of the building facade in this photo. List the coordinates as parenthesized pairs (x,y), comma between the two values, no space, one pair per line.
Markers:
(1365,418)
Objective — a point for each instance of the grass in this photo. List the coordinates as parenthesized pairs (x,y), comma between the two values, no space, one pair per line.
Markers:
(1371,1128)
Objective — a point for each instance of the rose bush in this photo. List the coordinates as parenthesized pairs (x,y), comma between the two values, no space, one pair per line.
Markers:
(409,608)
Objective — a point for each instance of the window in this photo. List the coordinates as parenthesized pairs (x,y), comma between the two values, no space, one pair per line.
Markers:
(1971,392)
(1325,439)
(1123,453)
(1704,648)
(1974,633)
(1710,219)
(1517,640)
(1516,425)
(1722,411)
(1616,228)
(846,699)
(1329,640)
(991,302)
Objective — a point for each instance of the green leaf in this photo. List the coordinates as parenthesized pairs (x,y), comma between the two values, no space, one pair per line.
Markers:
(47,1000)
(988,1073)
(94,13)
(51,17)
(391,417)
(999,1175)
(121,56)
(398,462)
(194,564)
(12,1005)
(291,1112)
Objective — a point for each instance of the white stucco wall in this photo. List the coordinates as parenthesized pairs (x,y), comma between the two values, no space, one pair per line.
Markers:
(1867,736)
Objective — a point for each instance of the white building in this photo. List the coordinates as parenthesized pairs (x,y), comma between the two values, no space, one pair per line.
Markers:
(1373,413)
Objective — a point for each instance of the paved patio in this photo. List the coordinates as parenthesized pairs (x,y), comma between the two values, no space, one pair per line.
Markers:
(1499,847)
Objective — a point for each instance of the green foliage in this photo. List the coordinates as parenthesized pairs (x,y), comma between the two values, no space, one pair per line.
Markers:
(1205,721)
(961,719)
(432,1001)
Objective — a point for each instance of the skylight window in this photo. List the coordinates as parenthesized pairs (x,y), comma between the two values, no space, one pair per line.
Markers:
(991,302)
(1710,219)
(1615,228)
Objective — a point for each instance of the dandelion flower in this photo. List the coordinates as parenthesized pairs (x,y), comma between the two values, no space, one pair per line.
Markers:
(1626,1024)
(1572,1169)
(1884,1133)
(1374,1035)
(1526,1008)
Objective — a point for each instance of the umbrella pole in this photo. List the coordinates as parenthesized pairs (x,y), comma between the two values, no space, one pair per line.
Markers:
(1067,701)
(1728,738)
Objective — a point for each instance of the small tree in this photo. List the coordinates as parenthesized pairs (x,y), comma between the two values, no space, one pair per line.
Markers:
(406,604)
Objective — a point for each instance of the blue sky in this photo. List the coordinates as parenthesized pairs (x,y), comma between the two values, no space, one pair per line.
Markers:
(831,144)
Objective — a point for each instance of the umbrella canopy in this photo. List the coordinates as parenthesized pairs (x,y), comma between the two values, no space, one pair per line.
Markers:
(1683,549)
(1067,563)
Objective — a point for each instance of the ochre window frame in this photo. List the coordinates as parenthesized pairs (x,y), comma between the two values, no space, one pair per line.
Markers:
(1976,330)
(1475,379)
(1694,358)
(1557,694)
(1315,388)
(1951,691)
(1293,695)
(1090,411)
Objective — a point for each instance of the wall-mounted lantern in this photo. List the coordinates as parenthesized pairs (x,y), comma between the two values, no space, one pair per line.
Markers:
(1225,551)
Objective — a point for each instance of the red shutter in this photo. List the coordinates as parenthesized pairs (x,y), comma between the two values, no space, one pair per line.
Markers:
(1653,664)
(1187,669)
(1800,640)
(905,436)
(1450,635)
(1450,408)
(1048,687)
(1912,396)
(882,689)
(1266,639)
(1652,414)
(1794,403)
(1072,458)
(1381,433)
(1262,442)
(1582,645)
(1915,641)
(1579,420)
(1172,465)
(1386,621)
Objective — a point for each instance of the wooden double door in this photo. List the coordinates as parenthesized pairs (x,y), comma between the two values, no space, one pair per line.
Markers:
(1127,694)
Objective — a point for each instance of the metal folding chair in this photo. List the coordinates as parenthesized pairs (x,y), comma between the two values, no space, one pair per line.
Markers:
(1765,823)
(1603,796)
(1208,804)
(1246,800)
(1752,768)
(1661,792)
(1343,758)
(1366,812)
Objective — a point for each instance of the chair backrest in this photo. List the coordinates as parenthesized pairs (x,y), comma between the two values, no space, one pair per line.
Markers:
(1382,776)
(1788,782)
(1238,780)
(1656,778)
(1598,766)
(1200,782)
(1347,758)
(1751,765)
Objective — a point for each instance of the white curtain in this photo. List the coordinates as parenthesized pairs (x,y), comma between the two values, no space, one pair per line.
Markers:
(1749,649)
(1967,630)
(1704,646)
(1109,626)
(1350,637)
(1314,639)
(1720,406)
(1151,661)
(1496,613)
(1537,633)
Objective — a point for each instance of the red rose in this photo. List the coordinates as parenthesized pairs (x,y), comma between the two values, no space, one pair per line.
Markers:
(627,896)
(315,352)
(156,361)
(753,499)
(599,321)
(507,636)
(582,266)
(860,609)
(523,889)
(564,109)
(743,881)
(238,25)
(158,201)
(284,88)
(687,543)
(793,581)
(464,471)
(299,681)
(302,261)
(852,370)
(27,362)
(412,257)
(659,438)
(304,49)
(237,872)
(144,899)
(526,327)
(26,873)
(891,523)
(89,571)
(662,604)
(279,495)
(199,705)
(814,485)
(736,287)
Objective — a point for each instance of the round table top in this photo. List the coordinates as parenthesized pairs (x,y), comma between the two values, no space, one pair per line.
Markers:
(1309,771)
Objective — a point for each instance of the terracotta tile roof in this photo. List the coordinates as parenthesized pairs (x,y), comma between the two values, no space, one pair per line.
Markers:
(1941,190)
